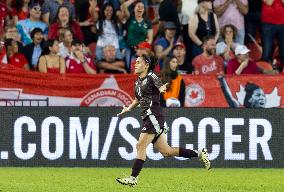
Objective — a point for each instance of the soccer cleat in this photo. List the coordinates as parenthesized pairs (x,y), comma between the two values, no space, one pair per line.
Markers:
(131,181)
(203,157)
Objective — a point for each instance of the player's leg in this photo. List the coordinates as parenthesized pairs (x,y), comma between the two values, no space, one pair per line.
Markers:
(167,151)
(144,140)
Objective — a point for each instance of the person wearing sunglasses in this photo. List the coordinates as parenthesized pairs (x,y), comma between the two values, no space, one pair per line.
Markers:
(26,26)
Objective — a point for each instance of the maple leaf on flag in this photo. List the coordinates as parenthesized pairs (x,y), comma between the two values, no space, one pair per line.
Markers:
(193,94)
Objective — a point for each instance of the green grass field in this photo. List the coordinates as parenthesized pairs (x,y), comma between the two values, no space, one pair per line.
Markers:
(161,180)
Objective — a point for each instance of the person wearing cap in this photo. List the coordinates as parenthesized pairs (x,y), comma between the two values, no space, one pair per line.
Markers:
(168,12)
(232,12)
(139,27)
(26,26)
(179,52)
(33,50)
(143,48)
(203,23)
(208,63)
(163,46)
(242,64)
(78,62)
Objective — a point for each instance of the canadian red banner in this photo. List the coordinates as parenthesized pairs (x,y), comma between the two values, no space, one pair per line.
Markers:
(253,91)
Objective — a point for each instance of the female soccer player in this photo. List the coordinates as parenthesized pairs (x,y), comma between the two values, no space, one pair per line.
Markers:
(147,93)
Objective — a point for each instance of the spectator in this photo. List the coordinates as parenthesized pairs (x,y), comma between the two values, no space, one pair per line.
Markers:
(139,28)
(272,18)
(164,45)
(87,15)
(168,12)
(65,45)
(241,64)
(187,10)
(175,94)
(179,53)
(143,48)
(227,46)
(11,32)
(20,10)
(109,63)
(3,54)
(50,61)
(252,20)
(232,12)
(107,31)
(33,50)
(26,26)
(203,23)
(50,10)
(63,20)
(14,57)
(78,62)
(4,17)
(208,62)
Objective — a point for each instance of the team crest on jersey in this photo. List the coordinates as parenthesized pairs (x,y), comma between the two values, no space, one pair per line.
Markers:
(144,82)
(109,94)
(194,95)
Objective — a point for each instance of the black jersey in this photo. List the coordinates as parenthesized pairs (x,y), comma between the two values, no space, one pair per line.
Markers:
(148,94)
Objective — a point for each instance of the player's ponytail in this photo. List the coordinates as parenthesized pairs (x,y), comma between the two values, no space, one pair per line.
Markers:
(151,60)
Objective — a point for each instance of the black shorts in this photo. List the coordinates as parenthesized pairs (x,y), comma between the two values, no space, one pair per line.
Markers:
(153,125)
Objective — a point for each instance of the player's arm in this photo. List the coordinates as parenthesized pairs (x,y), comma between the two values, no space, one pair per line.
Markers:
(126,109)
(158,83)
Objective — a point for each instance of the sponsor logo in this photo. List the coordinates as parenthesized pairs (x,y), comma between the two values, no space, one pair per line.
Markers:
(194,96)
(109,94)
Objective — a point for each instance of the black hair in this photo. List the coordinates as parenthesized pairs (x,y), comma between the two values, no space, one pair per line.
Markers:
(167,75)
(8,42)
(18,5)
(249,89)
(102,18)
(47,44)
(133,8)
(36,30)
(57,18)
(150,60)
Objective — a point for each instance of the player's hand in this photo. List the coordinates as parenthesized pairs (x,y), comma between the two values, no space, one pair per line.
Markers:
(163,88)
(124,110)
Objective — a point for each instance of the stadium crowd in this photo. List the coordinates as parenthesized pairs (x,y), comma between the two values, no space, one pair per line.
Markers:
(106,36)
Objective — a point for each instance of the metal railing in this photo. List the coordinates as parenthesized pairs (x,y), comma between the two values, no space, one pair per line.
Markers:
(24,102)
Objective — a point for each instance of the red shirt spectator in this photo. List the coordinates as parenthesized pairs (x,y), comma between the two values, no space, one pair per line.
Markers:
(21,14)
(273,14)
(3,15)
(53,32)
(241,64)
(18,60)
(74,65)
(208,65)
(233,65)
